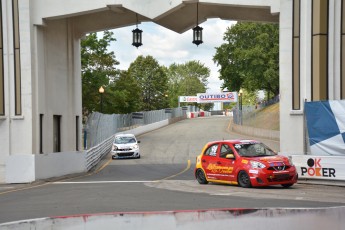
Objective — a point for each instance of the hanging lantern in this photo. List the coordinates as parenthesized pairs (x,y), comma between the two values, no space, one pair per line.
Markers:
(137,36)
(197,31)
(197,35)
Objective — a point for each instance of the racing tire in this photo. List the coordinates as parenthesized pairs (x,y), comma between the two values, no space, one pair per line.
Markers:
(244,180)
(200,177)
(286,185)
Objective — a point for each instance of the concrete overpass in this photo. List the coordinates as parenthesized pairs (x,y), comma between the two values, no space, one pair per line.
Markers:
(40,76)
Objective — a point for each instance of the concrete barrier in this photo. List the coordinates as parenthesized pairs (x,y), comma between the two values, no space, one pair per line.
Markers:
(28,168)
(258,219)
(255,132)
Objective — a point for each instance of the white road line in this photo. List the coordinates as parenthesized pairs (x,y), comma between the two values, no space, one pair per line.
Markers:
(99,182)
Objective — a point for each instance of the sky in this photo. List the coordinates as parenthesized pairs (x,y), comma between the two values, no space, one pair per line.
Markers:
(169,47)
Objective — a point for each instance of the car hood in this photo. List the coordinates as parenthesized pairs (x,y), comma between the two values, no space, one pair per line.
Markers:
(275,160)
(125,145)
(272,160)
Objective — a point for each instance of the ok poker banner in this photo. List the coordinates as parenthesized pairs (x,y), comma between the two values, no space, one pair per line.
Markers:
(320,167)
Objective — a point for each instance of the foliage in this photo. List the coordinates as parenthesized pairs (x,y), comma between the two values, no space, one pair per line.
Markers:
(153,82)
(250,57)
(97,68)
(124,95)
(249,97)
(187,79)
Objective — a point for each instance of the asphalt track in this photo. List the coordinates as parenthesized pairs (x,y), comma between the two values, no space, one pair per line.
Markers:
(161,180)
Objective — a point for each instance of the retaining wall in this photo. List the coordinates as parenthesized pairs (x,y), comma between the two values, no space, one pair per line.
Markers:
(255,132)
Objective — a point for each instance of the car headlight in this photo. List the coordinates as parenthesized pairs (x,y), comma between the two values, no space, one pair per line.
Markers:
(290,161)
(256,164)
(135,146)
(114,147)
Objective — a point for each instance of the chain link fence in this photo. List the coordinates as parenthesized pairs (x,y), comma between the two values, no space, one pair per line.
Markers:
(99,127)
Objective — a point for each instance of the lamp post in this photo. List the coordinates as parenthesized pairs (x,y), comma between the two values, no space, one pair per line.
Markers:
(101,91)
(240,94)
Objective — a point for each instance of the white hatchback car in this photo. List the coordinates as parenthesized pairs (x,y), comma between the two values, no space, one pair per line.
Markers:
(125,146)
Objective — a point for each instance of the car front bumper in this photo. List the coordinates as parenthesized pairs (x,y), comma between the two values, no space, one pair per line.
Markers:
(267,177)
(125,154)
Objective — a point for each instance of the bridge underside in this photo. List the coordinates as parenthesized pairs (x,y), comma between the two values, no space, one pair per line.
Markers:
(181,17)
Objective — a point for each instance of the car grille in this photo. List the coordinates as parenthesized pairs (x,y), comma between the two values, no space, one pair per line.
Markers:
(280,177)
(124,149)
(279,168)
(126,154)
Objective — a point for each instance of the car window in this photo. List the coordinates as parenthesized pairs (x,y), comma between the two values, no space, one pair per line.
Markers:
(225,150)
(253,149)
(212,150)
(124,140)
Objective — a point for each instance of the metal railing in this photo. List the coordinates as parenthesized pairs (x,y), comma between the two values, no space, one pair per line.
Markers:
(247,116)
(99,127)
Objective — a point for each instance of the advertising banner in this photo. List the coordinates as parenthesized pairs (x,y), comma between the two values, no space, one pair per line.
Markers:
(326,127)
(217,97)
(320,167)
(187,99)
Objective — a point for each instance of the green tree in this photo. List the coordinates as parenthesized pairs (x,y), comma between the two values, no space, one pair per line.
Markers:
(249,97)
(152,81)
(98,69)
(250,57)
(124,95)
(187,79)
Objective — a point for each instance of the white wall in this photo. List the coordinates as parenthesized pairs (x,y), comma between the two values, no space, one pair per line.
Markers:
(30,168)
(59,164)
(291,122)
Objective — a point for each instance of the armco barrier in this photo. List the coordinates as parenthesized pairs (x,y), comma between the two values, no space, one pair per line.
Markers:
(258,219)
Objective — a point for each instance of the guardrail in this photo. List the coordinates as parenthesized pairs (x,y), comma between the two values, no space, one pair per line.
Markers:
(94,155)
(100,127)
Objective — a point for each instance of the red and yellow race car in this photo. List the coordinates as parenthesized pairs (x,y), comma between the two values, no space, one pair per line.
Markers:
(244,162)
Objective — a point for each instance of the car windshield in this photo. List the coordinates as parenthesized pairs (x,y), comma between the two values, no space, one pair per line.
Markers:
(253,150)
(124,140)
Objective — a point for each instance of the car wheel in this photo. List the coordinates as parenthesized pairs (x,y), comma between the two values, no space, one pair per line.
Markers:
(244,180)
(200,176)
(286,185)
(138,157)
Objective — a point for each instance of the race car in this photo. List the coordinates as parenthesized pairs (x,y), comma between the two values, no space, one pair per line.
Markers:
(125,146)
(245,163)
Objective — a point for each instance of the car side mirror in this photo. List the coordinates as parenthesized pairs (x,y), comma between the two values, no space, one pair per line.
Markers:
(230,156)
(138,142)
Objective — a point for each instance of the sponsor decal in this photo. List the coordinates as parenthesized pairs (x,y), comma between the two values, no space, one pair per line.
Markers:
(276,164)
(219,97)
(188,98)
(315,169)
(244,161)
(219,169)
(253,171)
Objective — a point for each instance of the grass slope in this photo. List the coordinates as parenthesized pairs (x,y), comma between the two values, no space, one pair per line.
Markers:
(266,118)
